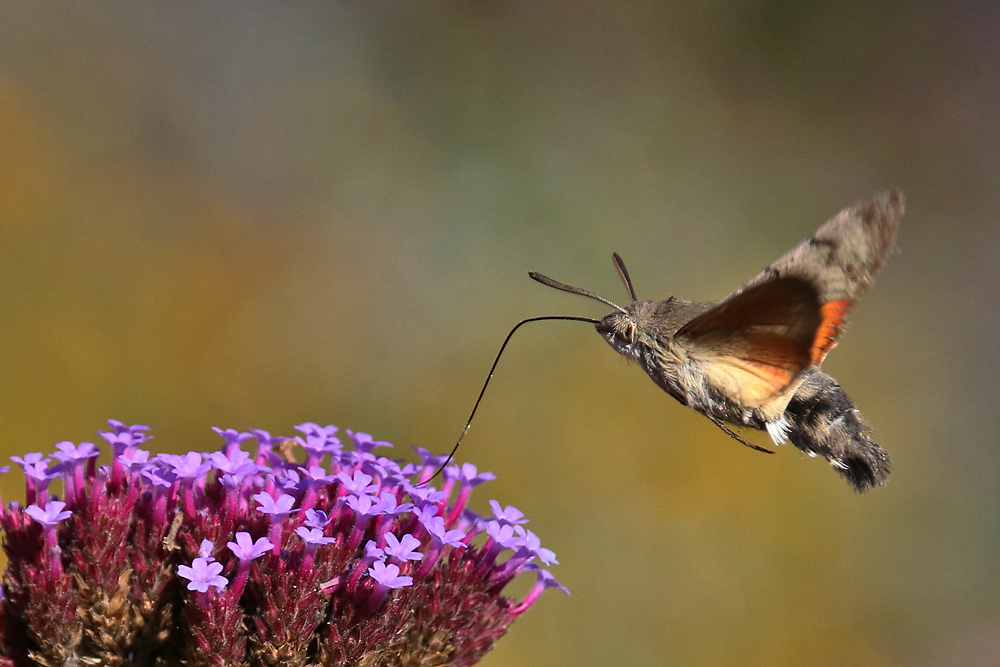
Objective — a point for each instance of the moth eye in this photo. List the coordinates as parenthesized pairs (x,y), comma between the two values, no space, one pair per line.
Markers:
(627,333)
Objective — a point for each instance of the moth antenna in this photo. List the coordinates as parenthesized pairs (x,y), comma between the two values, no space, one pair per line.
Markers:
(545,280)
(623,272)
(734,436)
(489,377)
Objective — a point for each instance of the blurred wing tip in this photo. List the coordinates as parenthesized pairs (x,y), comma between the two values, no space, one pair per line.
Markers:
(892,198)
(884,210)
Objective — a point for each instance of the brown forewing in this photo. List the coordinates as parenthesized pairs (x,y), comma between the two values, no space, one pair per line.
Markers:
(755,344)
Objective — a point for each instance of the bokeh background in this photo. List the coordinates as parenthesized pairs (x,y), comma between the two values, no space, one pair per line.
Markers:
(258,214)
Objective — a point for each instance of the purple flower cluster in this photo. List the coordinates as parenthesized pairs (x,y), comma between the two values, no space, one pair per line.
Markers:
(229,558)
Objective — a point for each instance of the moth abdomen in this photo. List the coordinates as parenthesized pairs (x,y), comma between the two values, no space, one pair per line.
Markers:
(824,421)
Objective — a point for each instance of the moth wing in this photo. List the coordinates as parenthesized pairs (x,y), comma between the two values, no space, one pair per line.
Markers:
(840,260)
(755,345)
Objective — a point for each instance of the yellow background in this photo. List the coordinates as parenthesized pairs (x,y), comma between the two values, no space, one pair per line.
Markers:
(258,214)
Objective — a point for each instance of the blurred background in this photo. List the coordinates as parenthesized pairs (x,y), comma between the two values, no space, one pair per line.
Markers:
(259,214)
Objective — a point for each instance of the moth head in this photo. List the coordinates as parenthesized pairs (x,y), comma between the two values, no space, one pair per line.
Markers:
(619,329)
(623,328)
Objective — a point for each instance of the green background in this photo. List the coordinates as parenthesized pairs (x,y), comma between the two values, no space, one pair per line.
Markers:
(258,214)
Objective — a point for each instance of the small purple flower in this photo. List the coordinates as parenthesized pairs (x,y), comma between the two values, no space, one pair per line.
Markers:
(503,534)
(237,462)
(379,468)
(202,574)
(528,540)
(122,438)
(188,466)
(428,459)
(358,484)
(363,443)
(69,452)
(232,437)
(50,515)
(231,482)
(134,459)
(245,548)
(159,477)
(135,430)
(32,458)
(276,508)
(509,515)
(426,494)
(427,514)
(471,477)
(205,550)
(313,536)
(316,519)
(287,481)
(373,552)
(548,581)
(545,580)
(388,575)
(118,441)
(318,440)
(315,430)
(451,538)
(387,504)
(404,549)
(409,470)
(363,505)
(315,474)
(40,471)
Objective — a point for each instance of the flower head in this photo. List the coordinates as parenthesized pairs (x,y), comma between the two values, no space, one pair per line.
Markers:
(318,555)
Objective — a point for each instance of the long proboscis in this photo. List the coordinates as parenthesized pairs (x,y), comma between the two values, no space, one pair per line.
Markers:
(451,455)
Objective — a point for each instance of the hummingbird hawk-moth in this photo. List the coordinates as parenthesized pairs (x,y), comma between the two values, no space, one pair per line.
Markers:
(754,358)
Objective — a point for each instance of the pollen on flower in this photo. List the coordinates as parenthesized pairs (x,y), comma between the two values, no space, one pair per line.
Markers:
(238,557)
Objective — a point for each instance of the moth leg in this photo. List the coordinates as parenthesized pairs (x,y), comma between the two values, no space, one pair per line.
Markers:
(728,431)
